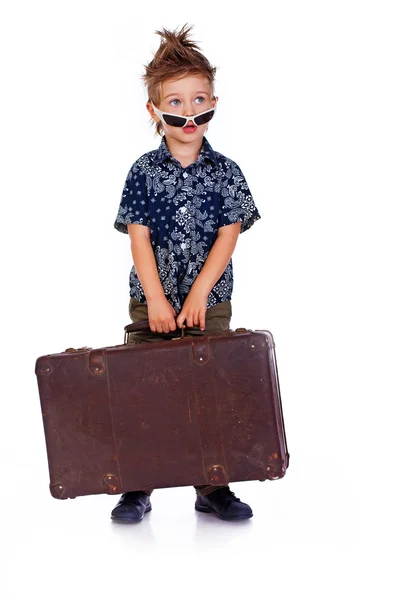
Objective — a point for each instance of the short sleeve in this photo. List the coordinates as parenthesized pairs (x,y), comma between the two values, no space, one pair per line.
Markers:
(134,206)
(237,204)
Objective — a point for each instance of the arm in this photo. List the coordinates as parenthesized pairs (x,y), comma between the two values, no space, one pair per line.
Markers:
(161,313)
(195,306)
(217,259)
(144,261)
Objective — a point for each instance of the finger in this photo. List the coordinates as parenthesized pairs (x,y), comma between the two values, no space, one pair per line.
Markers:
(180,319)
(202,320)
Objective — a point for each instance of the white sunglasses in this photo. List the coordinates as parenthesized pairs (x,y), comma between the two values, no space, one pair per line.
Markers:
(180,121)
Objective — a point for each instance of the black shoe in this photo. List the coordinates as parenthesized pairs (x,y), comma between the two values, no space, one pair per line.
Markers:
(131,507)
(224,504)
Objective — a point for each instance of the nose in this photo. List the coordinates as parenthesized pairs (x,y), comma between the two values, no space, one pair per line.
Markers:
(188,109)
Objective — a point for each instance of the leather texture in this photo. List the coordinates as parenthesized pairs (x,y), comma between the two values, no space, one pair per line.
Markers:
(193,410)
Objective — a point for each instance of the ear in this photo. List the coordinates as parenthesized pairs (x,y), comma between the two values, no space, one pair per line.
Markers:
(214,101)
(152,113)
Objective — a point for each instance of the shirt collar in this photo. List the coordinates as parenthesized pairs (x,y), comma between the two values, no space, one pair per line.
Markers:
(206,152)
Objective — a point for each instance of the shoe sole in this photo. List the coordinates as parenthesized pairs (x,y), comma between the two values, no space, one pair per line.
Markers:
(206,509)
(127,520)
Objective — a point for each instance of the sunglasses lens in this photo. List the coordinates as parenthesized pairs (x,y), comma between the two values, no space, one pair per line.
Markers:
(173,120)
(204,118)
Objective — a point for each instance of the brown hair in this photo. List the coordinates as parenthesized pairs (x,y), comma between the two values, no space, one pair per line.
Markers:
(176,57)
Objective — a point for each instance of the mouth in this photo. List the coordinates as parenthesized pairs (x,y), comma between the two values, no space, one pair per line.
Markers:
(190,127)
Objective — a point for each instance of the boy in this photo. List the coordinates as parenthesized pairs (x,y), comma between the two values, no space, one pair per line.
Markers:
(183,206)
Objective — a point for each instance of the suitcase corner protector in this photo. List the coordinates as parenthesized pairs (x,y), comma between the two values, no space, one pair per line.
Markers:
(110,483)
(217,475)
(57,490)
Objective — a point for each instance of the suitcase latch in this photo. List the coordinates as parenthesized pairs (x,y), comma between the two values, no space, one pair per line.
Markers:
(96,361)
(201,350)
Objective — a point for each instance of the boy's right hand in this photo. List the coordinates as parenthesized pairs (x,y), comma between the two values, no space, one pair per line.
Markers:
(161,315)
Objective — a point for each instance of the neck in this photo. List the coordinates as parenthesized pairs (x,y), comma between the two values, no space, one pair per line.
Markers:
(185,153)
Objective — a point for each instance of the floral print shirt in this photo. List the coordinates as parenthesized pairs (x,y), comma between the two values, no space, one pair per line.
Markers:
(184,208)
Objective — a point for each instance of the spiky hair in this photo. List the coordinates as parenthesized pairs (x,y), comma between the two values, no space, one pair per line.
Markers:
(176,57)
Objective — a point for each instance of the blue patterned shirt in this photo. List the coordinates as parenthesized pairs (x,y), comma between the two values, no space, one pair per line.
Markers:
(184,207)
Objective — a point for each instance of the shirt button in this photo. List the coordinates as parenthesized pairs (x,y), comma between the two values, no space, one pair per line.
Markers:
(184,174)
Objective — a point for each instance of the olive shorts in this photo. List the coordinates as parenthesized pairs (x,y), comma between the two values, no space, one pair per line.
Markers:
(218,319)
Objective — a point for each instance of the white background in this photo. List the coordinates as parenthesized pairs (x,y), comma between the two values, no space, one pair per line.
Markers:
(309,109)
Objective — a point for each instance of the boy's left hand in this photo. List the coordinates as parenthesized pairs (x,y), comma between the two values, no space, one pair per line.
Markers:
(193,310)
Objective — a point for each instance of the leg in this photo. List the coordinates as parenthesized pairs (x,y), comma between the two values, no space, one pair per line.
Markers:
(220,500)
(218,318)
(133,505)
(138,311)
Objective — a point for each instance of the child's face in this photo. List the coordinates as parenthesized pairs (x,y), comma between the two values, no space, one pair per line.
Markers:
(187,96)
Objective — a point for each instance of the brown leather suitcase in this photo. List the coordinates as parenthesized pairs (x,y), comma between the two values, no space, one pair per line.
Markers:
(190,410)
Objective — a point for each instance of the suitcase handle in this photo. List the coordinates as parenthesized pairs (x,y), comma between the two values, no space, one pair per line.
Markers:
(179,332)
(145,326)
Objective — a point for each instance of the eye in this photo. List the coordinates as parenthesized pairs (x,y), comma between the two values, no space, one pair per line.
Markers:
(199,100)
(175,102)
